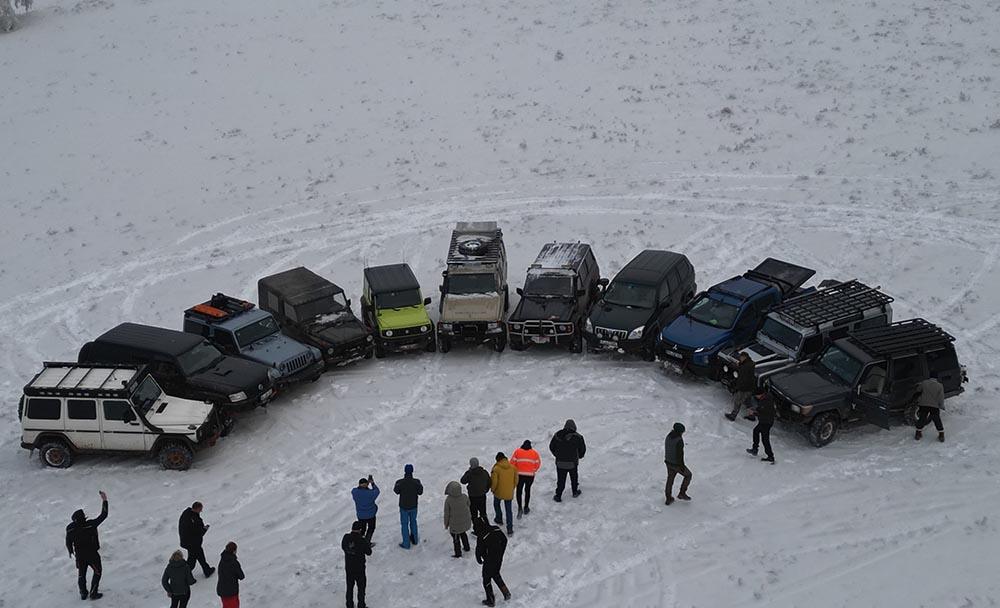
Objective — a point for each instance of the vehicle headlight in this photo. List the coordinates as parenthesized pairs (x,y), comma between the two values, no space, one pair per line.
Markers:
(588,326)
(423,328)
(515,326)
(446,327)
(492,326)
(795,408)
(370,338)
(565,328)
(329,351)
(317,353)
(388,333)
(702,349)
(636,333)
(240,396)
(805,409)
(281,366)
(725,368)
(273,375)
(736,374)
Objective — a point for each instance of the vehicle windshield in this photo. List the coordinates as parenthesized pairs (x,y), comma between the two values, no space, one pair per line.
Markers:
(397,299)
(545,285)
(245,336)
(840,364)
(472,283)
(146,395)
(323,306)
(781,333)
(198,358)
(713,312)
(632,295)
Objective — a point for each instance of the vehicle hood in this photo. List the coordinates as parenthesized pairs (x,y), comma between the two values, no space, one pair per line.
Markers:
(472,307)
(338,328)
(393,318)
(613,316)
(806,386)
(685,331)
(174,412)
(276,348)
(231,375)
(545,309)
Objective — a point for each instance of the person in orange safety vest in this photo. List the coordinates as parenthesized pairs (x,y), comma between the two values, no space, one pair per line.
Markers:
(527,463)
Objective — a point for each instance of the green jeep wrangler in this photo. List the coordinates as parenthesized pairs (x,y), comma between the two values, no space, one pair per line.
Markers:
(392,307)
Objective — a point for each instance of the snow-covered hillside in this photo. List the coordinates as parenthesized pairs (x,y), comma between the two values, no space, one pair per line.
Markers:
(154,153)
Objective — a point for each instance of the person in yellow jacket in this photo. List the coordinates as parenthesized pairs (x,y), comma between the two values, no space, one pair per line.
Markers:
(503,480)
(527,463)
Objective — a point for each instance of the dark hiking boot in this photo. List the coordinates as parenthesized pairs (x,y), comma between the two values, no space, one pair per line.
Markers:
(510,531)
(752,451)
(457,555)
(404,546)
(683,496)
(96,595)
(557,498)
(917,436)
(941,437)
(731,417)
(489,602)
(506,593)
(670,500)
(750,418)
(84,594)
(526,510)
(413,540)
(519,512)
(498,521)
(209,572)
(768,459)
(576,493)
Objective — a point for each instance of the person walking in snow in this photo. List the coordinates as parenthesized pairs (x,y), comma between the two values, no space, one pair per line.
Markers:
(568,447)
(746,383)
(930,402)
(503,481)
(356,547)
(192,531)
(527,462)
(177,580)
(477,482)
(457,516)
(409,489)
(83,542)
(230,575)
(673,456)
(364,505)
(764,410)
(490,547)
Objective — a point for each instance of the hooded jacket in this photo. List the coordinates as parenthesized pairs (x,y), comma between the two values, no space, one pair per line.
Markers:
(503,480)
(931,394)
(673,449)
(408,488)
(457,516)
(765,410)
(490,547)
(568,446)
(355,547)
(477,480)
(230,575)
(526,461)
(191,529)
(177,578)
(81,534)
(747,379)
(364,501)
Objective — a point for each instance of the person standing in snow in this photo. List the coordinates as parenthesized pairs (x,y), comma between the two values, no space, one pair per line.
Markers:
(230,575)
(746,383)
(673,456)
(527,462)
(503,481)
(568,447)
(364,505)
(930,402)
(177,580)
(457,516)
(356,547)
(192,531)
(490,547)
(408,488)
(478,484)
(764,410)
(83,542)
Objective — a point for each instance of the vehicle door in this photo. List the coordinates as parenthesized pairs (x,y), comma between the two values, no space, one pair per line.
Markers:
(226,341)
(121,429)
(670,298)
(905,373)
(82,425)
(870,398)
(944,363)
(745,327)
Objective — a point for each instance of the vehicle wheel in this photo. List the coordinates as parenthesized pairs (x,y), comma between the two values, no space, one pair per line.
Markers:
(823,428)
(910,415)
(647,353)
(499,344)
(55,454)
(379,351)
(576,346)
(226,424)
(175,456)
(444,345)
(516,346)
(431,346)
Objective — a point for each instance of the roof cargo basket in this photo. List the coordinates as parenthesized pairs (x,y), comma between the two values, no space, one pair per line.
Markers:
(839,303)
(475,242)
(220,307)
(912,335)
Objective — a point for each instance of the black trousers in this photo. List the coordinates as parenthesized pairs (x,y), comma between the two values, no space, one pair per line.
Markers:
(491,574)
(196,555)
(524,486)
(179,601)
(561,480)
(461,542)
(368,527)
(762,434)
(82,563)
(927,414)
(356,577)
(477,505)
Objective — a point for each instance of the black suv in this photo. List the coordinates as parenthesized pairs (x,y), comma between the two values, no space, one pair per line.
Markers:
(869,375)
(185,365)
(644,297)
(313,310)
(561,287)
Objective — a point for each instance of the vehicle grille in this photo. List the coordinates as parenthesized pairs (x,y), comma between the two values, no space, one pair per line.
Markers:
(604,333)
(295,364)
(406,331)
(467,329)
(544,328)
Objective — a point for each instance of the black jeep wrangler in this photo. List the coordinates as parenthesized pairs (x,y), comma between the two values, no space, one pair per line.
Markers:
(870,375)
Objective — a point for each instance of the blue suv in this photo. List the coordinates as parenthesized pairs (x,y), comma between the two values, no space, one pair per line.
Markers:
(728,314)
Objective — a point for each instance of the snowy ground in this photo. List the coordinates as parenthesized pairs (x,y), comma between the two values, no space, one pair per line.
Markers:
(157,152)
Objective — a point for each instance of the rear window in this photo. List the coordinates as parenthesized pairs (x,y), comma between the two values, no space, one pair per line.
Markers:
(81,409)
(44,409)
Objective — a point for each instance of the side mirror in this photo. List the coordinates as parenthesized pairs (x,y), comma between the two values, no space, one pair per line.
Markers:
(519,291)
(128,416)
(603,282)
(444,273)
(427,301)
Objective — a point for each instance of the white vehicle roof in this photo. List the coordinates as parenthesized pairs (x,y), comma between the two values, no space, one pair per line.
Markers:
(71,379)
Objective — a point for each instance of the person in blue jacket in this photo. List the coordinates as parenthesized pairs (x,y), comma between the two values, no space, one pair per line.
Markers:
(364,503)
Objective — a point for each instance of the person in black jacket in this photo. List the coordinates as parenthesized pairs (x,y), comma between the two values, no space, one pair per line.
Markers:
(177,580)
(568,447)
(408,488)
(82,540)
(765,420)
(192,531)
(230,575)
(490,546)
(356,547)
(746,383)
(479,482)
(673,456)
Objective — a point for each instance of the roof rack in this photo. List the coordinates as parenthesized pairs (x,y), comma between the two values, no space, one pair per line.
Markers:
(65,379)
(219,308)
(475,242)
(839,303)
(912,335)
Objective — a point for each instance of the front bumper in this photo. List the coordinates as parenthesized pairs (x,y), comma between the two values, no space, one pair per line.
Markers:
(406,343)
(250,403)
(683,359)
(609,343)
(538,331)
(342,355)
(470,331)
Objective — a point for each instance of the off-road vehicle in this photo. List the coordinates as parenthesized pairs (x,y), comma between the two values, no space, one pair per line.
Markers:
(392,307)
(474,298)
(646,295)
(313,310)
(727,315)
(71,408)
(186,365)
(561,287)
(240,329)
(797,330)
(870,375)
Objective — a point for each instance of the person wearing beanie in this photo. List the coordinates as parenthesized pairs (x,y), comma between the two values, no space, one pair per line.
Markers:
(503,481)
(490,547)
(177,580)
(477,482)
(82,541)
(457,516)
(764,411)
(527,462)
(356,547)
(673,457)
(364,505)
(568,447)
(408,488)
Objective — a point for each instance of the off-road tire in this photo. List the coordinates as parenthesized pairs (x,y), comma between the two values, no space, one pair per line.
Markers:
(517,346)
(823,428)
(56,454)
(369,353)
(379,351)
(444,344)
(431,346)
(499,344)
(175,456)
(910,415)
(576,346)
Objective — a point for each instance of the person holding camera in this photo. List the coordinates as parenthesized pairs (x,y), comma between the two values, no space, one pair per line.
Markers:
(364,505)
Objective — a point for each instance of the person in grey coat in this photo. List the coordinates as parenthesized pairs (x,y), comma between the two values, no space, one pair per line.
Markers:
(673,456)
(177,580)
(746,382)
(457,516)
(930,402)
